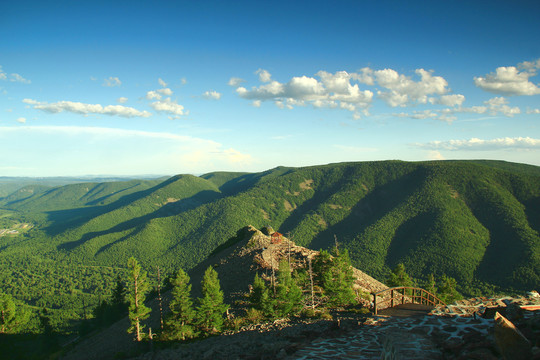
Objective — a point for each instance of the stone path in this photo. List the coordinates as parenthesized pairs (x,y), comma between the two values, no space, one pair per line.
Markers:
(384,337)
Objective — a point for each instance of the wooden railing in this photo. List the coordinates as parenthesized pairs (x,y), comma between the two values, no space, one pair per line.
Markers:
(404,294)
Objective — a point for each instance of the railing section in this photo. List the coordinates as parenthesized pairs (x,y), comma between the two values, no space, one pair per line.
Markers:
(404,294)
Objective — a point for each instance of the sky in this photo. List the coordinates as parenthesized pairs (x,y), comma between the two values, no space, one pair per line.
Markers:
(173,87)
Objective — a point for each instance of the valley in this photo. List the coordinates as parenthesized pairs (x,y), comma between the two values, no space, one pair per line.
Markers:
(475,221)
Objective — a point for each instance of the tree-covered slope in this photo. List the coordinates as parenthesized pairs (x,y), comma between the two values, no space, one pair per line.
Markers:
(477,221)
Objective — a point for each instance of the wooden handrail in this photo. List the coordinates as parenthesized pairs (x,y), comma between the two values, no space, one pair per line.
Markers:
(423,296)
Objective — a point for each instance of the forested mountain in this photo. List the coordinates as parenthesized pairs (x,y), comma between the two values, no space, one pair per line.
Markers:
(476,221)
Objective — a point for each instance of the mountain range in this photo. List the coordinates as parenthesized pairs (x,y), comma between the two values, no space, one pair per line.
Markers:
(476,221)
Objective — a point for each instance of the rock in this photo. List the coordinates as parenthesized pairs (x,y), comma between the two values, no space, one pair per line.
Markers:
(533,294)
(511,342)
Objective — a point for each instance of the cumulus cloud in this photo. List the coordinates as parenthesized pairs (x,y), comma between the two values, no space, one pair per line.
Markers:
(112,81)
(14,77)
(153,95)
(403,90)
(533,111)
(484,145)
(168,106)
(264,75)
(162,82)
(493,106)
(511,80)
(21,120)
(332,91)
(448,100)
(86,109)
(235,81)
(212,95)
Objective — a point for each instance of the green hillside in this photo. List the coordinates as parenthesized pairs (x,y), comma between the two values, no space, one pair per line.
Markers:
(477,221)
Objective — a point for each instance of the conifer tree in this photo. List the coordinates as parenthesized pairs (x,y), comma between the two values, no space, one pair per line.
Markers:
(7,313)
(289,295)
(260,297)
(398,277)
(137,288)
(338,280)
(211,307)
(447,290)
(431,285)
(179,324)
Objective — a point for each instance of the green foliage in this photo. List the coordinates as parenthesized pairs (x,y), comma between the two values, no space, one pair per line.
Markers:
(338,279)
(398,277)
(8,313)
(179,324)
(447,290)
(289,297)
(211,307)
(476,221)
(137,288)
(261,299)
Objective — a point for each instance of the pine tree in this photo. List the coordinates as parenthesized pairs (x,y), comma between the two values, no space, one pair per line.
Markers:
(137,289)
(211,307)
(289,295)
(7,313)
(338,280)
(447,290)
(398,277)
(431,285)
(260,298)
(179,324)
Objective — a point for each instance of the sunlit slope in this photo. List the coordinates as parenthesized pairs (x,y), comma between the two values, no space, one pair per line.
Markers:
(475,221)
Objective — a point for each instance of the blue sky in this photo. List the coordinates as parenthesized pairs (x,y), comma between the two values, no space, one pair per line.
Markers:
(132,87)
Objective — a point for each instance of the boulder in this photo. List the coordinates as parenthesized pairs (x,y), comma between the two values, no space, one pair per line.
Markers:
(512,344)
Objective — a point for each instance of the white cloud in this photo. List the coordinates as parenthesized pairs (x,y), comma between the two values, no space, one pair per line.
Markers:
(112,81)
(18,78)
(122,100)
(256,103)
(264,76)
(235,81)
(484,145)
(434,155)
(448,100)
(165,91)
(509,80)
(153,95)
(334,90)
(499,105)
(404,90)
(21,120)
(168,106)
(14,77)
(212,95)
(162,82)
(85,109)
(183,81)
(533,111)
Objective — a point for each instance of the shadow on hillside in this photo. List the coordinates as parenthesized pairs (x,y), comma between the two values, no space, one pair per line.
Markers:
(137,224)
(505,251)
(63,220)
(371,209)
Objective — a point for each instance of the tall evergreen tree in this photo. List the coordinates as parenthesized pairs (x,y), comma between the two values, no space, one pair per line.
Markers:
(260,297)
(7,313)
(289,295)
(211,307)
(398,277)
(338,280)
(137,288)
(179,324)
(447,290)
